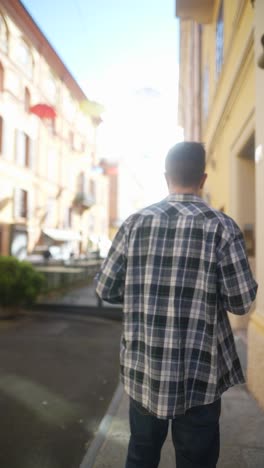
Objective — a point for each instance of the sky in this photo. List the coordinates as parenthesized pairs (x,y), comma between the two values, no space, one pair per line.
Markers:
(124,54)
(96,39)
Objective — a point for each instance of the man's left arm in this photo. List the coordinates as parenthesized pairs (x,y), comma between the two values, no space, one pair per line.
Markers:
(238,287)
(110,281)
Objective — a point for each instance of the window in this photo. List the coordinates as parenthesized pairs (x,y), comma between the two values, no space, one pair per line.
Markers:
(1,78)
(20,203)
(27,151)
(27,100)
(24,57)
(67,221)
(22,149)
(220,40)
(3,34)
(50,88)
(68,107)
(205,92)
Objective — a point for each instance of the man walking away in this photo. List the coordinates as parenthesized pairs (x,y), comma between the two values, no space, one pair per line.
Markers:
(177,267)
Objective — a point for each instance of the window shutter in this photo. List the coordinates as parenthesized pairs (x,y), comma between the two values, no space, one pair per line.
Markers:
(85,183)
(20,147)
(30,205)
(32,154)
(17,202)
(7,140)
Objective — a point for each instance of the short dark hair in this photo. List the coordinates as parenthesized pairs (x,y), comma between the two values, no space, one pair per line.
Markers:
(185,163)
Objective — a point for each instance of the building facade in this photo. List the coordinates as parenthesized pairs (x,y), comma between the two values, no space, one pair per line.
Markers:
(229,106)
(49,190)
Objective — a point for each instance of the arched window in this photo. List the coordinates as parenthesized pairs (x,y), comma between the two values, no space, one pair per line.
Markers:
(27,100)
(3,34)
(1,77)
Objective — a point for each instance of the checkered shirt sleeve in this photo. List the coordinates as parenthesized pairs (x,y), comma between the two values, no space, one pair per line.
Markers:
(110,282)
(237,285)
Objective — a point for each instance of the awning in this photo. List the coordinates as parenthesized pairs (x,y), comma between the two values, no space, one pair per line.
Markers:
(62,235)
(43,111)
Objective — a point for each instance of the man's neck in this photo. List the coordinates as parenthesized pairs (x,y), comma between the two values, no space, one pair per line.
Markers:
(176,190)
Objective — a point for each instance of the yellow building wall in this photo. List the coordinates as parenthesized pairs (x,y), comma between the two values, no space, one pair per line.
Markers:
(231,98)
(236,114)
(220,183)
(230,120)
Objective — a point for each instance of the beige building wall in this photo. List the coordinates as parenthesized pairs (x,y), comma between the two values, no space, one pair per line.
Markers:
(54,167)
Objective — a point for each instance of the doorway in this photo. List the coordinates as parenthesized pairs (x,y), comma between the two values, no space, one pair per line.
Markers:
(246,194)
(243,202)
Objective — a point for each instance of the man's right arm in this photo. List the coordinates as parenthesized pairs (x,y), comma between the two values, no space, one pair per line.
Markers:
(110,281)
(238,288)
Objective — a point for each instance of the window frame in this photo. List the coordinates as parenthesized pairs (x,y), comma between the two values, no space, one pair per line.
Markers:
(219,40)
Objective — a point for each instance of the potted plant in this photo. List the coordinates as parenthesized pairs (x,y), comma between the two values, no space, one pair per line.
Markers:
(20,284)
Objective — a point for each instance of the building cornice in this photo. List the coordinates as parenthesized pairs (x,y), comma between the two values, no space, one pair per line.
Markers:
(33,33)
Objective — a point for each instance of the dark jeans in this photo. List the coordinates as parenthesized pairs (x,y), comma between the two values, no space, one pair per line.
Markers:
(195,436)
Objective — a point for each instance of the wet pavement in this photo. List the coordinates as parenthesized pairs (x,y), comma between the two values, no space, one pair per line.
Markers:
(57,378)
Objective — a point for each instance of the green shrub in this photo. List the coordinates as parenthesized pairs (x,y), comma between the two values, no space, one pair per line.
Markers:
(20,283)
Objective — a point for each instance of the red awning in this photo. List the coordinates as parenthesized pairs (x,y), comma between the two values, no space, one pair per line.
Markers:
(43,111)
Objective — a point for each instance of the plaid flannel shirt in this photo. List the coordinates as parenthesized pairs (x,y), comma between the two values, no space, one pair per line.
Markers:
(178,266)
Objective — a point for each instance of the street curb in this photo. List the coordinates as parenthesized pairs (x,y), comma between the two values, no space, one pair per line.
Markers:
(91,454)
(113,313)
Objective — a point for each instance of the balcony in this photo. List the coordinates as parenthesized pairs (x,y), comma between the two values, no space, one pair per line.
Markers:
(200,11)
(83,201)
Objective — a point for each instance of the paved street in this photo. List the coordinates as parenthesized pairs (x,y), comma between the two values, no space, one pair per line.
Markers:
(242,441)
(57,377)
(242,425)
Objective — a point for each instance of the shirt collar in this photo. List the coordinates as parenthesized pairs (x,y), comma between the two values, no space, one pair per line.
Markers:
(184,197)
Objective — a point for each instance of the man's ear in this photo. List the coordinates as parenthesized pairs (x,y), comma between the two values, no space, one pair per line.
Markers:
(203,179)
